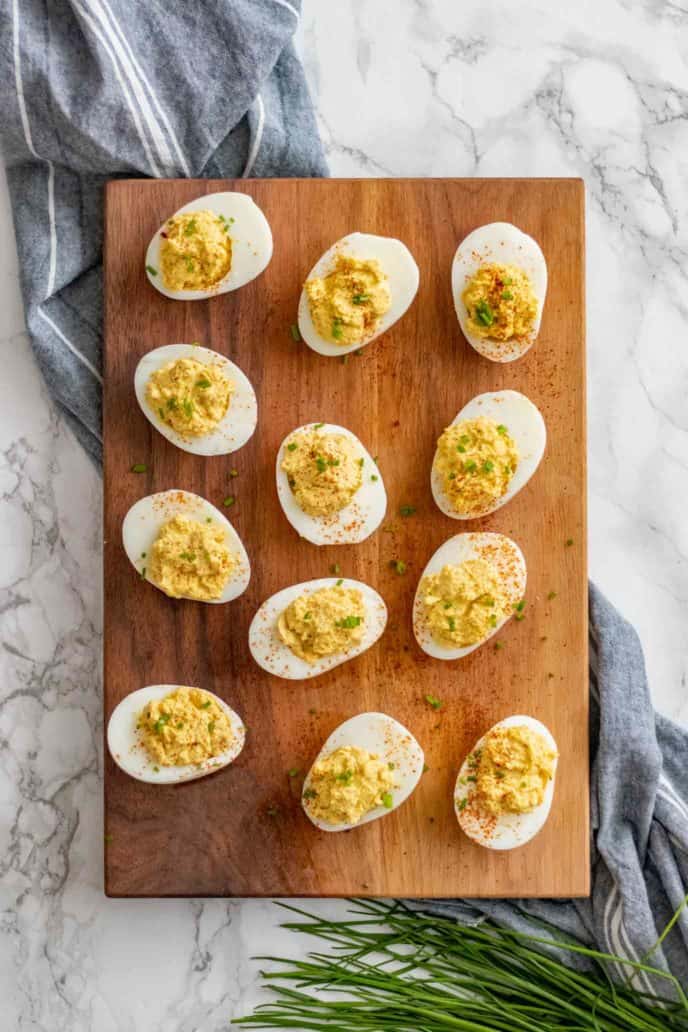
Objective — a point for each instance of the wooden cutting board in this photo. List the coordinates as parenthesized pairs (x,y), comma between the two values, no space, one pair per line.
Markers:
(241,832)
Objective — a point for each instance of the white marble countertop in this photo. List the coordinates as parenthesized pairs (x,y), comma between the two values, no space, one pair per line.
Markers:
(597,89)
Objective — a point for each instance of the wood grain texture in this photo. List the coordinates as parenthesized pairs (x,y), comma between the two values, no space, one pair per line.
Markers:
(215,837)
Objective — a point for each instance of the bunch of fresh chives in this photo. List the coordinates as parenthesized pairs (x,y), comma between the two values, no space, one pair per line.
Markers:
(391,969)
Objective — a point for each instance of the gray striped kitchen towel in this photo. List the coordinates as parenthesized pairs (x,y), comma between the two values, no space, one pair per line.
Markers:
(95,89)
(639,830)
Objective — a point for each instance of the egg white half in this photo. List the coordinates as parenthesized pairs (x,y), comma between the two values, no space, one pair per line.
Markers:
(527,428)
(392,742)
(510,829)
(358,520)
(270,652)
(251,244)
(129,753)
(507,245)
(238,423)
(144,520)
(502,553)
(396,262)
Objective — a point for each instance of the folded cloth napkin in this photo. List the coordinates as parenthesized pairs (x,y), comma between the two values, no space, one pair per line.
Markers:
(95,89)
(639,825)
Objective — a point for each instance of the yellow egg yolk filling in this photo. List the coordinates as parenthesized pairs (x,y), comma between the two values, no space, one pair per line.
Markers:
(512,770)
(348,784)
(185,727)
(191,559)
(324,623)
(500,302)
(189,396)
(346,305)
(195,251)
(476,459)
(463,603)
(324,471)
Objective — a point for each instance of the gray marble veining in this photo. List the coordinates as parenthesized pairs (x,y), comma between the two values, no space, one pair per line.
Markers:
(418,87)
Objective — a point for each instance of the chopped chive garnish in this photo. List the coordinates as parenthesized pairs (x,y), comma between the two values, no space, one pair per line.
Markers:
(151,270)
(140,467)
(188,408)
(470,466)
(484,313)
(360,299)
(451,623)
(568,542)
(407,510)
(203,383)
(433,701)
(398,565)
(373,476)
(293,772)
(321,464)
(229,500)
(501,429)
(292,446)
(317,426)
(488,466)
(387,800)
(234,472)
(335,568)
(337,331)
(499,645)
(295,332)
(520,606)
(507,295)
(349,621)
(551,595)
(339,583)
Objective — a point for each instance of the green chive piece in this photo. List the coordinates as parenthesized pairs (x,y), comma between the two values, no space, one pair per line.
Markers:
(433,701)
(551,595)
(229,500)
(484,313)
(349,621)
(568,542)
(292,446)
(140,467)
(501,429)
(295,332)
(151,270)
(360,299)
(387,800)
(407,510)
(335,568)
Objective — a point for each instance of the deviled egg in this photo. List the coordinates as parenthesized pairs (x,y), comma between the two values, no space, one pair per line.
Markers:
(472,585)
(499,284)
(366,769)
(359,288)
(196,398)
(185,547)
(329,486)
(212,245)
(168,733)
(487,454)
(307,629)
(505,787)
